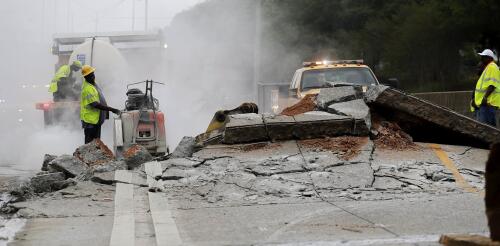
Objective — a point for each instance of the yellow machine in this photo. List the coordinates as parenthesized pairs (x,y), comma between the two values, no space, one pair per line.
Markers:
(324,74)
(220,118)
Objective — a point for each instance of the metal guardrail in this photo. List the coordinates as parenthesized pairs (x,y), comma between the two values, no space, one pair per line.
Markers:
(457,101)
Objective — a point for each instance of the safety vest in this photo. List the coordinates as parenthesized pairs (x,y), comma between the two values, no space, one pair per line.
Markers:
(63,72)
(490,76)
(89,114)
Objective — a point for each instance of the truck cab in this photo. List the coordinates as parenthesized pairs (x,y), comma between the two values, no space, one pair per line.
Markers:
(314,76)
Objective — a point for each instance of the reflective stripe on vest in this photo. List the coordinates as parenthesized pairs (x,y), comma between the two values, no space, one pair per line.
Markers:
(489,77)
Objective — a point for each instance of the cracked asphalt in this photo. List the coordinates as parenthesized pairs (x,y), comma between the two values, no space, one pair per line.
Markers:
(283,193)
(286,193)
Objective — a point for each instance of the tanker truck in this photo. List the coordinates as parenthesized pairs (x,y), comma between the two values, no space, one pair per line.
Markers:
(107,52)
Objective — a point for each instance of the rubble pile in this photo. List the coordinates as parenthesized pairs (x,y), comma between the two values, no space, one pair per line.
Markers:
(390,136)
(307,104)
(347,147)
(93,161)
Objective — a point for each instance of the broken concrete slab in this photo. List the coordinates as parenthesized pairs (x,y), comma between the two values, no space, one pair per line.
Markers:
(356,109)
(427,122)
(46,159)
(322,125)
(328,96)
(244,128)
(136,155)
(344,177)
(186,147)
(279,127)
(179,162)
(107,178)
(50,182)
(111,166)
(94,153)
(69,165)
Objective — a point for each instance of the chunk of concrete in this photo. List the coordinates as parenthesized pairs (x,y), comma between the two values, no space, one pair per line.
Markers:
(136,155)
(245,128)
(46,159)
(356,109)
(111,166)
(427,122)
(69,165)
(328,96)
(344,177)
(186,147)
(107,178)
(322,125)
(94,153)
(50,182)
(279,127)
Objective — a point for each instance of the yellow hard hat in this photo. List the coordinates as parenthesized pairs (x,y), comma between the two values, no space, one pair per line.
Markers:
(77,64)
(86,70)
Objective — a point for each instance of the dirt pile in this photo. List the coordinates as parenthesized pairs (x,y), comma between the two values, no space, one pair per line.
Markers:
(391,136)
(307,104)
(347,146)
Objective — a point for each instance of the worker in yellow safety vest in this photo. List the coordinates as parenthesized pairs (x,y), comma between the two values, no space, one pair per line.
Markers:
(486,100)
(93,107)
(63,85)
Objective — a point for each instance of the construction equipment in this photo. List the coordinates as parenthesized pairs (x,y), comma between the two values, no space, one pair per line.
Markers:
(220,117)
(141,122)
(112,53)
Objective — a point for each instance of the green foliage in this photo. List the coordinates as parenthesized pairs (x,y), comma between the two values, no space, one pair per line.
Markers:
(426,44)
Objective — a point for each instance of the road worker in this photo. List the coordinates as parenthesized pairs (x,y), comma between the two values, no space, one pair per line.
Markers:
(63,86)
(93,107)
(486,99)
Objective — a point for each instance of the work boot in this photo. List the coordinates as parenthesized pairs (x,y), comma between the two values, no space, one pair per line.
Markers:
(492,197)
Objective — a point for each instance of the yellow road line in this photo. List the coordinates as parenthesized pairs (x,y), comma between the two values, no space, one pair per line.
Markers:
(448,163)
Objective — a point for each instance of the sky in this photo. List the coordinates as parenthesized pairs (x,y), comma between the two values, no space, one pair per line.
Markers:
(27,27)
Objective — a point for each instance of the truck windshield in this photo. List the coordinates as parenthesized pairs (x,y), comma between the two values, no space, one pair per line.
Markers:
(323,78)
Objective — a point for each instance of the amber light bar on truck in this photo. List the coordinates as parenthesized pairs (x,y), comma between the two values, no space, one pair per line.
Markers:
(319,63)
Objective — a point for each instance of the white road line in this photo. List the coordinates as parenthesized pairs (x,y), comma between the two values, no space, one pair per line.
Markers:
(153,169)
(166,232)
(165,228)
(123,233)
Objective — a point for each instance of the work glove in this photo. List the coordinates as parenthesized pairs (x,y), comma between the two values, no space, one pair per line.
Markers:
(116,111)
(473,104)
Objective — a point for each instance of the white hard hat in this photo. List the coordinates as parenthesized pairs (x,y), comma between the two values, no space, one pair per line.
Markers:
(488,52)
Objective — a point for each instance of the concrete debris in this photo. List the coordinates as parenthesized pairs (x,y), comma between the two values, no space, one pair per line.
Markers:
(306,104)
(136,155)
(328,96)
(492,195)
(243,128)
(186,147)
(46,159)
(107,178)
(391,136)
(279,127)
(427,122)
(111,166)
(466,240)
(356,109)
(94,153)
(69,165)
(308,126)
(50,182)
